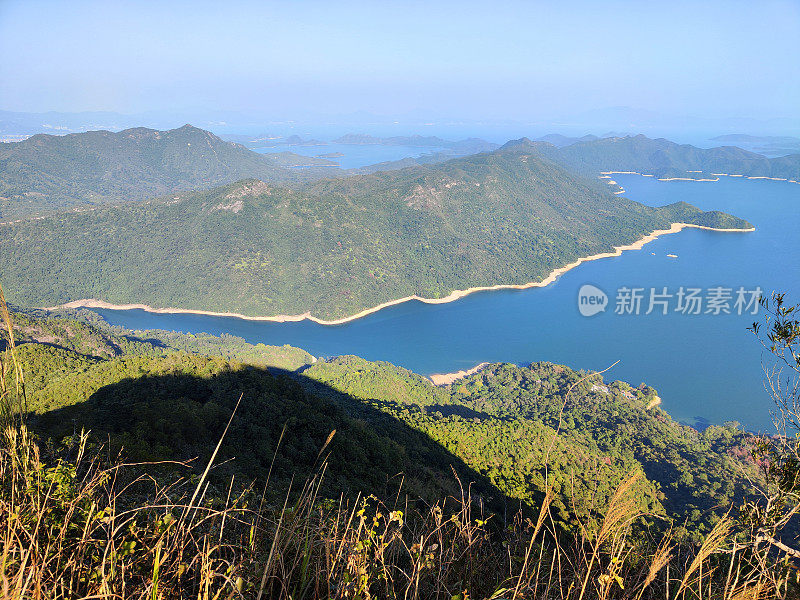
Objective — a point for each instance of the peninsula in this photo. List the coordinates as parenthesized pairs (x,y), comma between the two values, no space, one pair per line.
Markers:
(451,297)
(338,249)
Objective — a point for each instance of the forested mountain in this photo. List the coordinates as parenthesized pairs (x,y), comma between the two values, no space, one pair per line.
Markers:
(502,421)
(590,155)
(496,427)
(48,172)
(664,158)
(334,247)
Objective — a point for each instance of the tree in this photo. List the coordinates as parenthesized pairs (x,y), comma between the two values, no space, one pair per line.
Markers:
(772,517)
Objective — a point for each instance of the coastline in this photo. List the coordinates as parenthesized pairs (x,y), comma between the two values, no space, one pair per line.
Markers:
(453,296)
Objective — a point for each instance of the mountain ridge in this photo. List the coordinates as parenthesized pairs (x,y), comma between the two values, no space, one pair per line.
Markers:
(335,247)
(664,158)
(50,172)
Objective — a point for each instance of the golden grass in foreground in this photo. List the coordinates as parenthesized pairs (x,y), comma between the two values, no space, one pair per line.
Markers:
(76,525)
(72,528)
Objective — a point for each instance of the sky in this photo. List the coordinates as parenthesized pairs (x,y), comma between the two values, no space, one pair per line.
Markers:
(472,60)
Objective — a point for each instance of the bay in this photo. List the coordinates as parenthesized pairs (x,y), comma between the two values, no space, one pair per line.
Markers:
(707,368)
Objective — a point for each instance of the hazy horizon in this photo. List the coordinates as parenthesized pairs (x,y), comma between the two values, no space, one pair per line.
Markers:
(515,61)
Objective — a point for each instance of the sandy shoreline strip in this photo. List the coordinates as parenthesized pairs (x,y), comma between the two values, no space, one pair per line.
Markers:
(455,295)
(686,179)
(448,378)
(607,174)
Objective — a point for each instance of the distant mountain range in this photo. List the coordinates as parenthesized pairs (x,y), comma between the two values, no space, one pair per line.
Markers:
(51,172)
(769,145)
(590,155)
(663,158)
(562,140)
(737,138)
(619,118)
(336,246)
(48,172)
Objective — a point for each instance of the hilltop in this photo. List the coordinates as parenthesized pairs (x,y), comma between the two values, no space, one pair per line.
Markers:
(334,247)
(49,172)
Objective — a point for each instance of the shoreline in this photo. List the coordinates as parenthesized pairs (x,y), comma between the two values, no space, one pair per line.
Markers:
(451,297)
(443,379)
(605,175)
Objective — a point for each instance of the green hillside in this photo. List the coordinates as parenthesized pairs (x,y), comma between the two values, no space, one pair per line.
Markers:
(333,247)
(48,172)
(503,420)
(497,427)
(85,333)
(355,479)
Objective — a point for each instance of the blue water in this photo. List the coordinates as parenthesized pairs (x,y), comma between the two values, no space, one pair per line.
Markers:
(354,155)
(706,368)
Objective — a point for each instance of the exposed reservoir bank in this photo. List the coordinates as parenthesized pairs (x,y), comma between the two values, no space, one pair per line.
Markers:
(451,297)
(705,367)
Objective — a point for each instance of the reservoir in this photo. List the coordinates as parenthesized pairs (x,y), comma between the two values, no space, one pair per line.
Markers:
(706,367)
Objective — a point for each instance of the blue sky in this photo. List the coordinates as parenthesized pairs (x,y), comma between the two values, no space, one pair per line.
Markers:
(466,59)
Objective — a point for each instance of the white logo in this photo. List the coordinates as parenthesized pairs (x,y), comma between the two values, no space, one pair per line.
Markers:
(591,300)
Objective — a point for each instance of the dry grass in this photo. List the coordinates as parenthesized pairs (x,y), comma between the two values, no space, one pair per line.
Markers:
(74,525)
(77,529)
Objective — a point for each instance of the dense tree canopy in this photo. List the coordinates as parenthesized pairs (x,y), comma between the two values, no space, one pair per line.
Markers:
(514,430)
(334,247)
